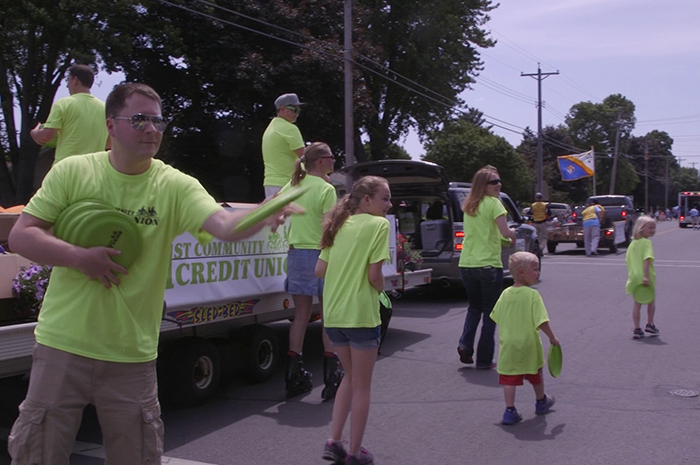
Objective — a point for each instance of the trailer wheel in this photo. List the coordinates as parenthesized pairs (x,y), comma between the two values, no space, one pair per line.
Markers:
(613,248)
(193,372)
(579,245)
(263,354)
(551,247)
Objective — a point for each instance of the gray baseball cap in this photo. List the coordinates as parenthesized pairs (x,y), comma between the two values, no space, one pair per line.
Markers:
(287,99)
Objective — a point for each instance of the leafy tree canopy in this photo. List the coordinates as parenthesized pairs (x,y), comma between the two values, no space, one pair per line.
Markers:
(462,148)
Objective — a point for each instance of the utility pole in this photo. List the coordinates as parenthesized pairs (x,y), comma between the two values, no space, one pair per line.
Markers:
(646,177)
(617,145)
(667,182)
(539,76)
(347,55)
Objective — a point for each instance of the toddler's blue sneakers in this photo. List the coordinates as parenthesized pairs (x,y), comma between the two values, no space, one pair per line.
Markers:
(543,406)
(511,417)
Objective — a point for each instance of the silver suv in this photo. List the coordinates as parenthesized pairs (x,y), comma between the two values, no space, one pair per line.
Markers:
(429,215)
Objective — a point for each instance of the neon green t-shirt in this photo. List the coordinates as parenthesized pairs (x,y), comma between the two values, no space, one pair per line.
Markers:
(519,313)
(120,324)
(349,299)
(638,251)
(279,141)
(81,123)
(305,230)
(482,239)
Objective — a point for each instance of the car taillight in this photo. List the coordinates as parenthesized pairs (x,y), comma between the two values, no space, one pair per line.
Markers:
(682,217)
(573,215)
(608,233)
(459,237)
(624,214)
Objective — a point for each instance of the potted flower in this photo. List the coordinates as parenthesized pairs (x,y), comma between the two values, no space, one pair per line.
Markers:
(408,258)
(30,286)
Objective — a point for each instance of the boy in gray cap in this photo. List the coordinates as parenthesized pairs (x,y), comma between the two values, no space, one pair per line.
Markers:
(282,144)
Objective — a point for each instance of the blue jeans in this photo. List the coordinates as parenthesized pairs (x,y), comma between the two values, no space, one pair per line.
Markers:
(484,287)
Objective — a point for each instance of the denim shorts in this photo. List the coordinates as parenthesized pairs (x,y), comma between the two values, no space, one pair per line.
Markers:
(301,279)
(357,338)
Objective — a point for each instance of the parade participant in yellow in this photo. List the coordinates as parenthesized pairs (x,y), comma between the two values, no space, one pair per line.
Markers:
(540,215)
(305,230)
(97,332)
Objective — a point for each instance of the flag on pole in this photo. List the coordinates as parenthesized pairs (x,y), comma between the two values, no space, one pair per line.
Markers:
(577,166)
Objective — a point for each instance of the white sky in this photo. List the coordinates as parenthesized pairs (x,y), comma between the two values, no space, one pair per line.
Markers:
(646,50)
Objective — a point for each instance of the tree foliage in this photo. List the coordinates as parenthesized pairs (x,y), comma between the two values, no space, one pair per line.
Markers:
(462,148)
(39,40)
(597,125)
(433,43)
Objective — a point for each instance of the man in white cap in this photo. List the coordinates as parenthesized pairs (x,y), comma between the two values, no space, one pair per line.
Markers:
(282,144)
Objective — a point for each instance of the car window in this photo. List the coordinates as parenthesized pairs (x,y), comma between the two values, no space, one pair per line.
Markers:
(510,209)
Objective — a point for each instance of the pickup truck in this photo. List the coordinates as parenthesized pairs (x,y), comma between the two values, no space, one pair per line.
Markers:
(218,299)
(612,234)
(618,208)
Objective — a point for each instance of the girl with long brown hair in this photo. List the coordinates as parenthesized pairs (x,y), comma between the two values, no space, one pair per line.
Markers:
(354,245)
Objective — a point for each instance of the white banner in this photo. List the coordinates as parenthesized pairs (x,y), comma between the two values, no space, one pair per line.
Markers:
(223,272)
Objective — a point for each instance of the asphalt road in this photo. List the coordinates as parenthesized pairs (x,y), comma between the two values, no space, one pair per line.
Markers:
(614,404)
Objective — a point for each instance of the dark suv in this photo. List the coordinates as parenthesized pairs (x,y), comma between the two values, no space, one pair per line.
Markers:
(428,211)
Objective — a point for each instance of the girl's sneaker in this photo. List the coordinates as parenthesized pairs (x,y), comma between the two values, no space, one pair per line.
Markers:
(334,451)
(638,333)
(652,329)
(363,458)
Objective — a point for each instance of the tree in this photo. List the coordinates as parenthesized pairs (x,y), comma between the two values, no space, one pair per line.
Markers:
(597,125)
(393,152)
(39,40)
(658,145)
(431,42)
(462,148)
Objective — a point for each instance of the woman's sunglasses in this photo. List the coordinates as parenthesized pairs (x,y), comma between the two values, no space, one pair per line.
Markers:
(494,182)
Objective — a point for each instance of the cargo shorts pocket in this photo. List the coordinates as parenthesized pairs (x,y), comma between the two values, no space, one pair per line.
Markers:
(26,440)
(152,433)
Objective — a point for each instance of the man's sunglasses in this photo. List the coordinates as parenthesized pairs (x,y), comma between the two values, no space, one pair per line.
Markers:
(494,182)
(295,110)
(140,121)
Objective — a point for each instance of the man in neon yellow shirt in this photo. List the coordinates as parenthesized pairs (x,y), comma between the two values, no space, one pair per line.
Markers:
(79,119)
(282,144)
(540,215)
(97,332)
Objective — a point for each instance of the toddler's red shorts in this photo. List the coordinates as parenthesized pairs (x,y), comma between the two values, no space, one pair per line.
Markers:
(517,380)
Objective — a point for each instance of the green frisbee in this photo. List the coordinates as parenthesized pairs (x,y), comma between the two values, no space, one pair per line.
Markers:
(643,294)
(96,224)
(268,208)
(554,360)
(384,299)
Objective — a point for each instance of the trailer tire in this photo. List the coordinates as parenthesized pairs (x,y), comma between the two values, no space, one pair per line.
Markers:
(193,372)
(551,247)
(263,354)
(613,248)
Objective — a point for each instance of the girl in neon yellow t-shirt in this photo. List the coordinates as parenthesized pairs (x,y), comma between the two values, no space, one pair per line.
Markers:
(310,171)
(354,245)
(641,274)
